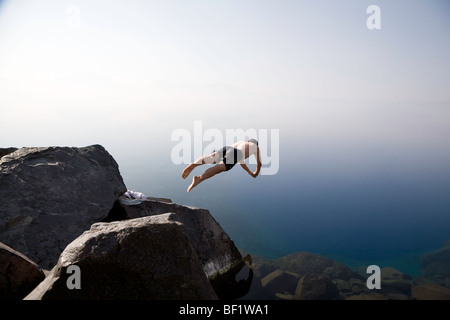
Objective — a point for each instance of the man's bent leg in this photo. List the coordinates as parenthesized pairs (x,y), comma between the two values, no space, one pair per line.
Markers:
(211,159)
(188,170)
(220,167)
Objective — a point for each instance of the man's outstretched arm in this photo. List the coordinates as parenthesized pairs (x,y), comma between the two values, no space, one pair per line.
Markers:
(244,166)
(258,163)
(258,166)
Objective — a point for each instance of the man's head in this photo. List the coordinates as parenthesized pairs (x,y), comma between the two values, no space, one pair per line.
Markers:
(253,141)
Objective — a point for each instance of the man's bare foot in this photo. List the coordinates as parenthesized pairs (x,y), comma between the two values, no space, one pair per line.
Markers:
(187,171)
(195,181)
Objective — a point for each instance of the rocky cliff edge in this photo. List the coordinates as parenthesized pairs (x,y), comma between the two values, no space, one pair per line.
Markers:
(60,208)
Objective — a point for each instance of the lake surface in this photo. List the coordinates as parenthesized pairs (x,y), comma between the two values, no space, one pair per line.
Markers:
(389,215)
(360,182)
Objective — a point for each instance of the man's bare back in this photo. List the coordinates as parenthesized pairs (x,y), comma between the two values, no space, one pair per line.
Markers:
(247,148)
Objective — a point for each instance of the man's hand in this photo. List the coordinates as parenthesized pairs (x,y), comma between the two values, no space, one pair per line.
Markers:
(253,174)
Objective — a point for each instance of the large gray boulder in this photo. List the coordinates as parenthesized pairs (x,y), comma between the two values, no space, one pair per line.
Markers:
(215,250)
(18,274)
(143,258)
(50,195)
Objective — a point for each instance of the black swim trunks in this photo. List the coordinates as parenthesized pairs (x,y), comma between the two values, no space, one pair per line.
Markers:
(230,156)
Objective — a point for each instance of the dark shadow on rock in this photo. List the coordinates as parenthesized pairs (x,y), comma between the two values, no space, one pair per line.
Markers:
(117,213)
(230,285)
(6,151)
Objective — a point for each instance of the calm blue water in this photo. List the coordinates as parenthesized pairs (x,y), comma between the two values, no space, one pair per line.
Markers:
(362,183)
(385,214)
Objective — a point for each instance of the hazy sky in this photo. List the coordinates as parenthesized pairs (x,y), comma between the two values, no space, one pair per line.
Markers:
(125,74)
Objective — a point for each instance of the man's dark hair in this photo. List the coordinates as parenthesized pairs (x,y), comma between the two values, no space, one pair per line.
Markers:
(254,141)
